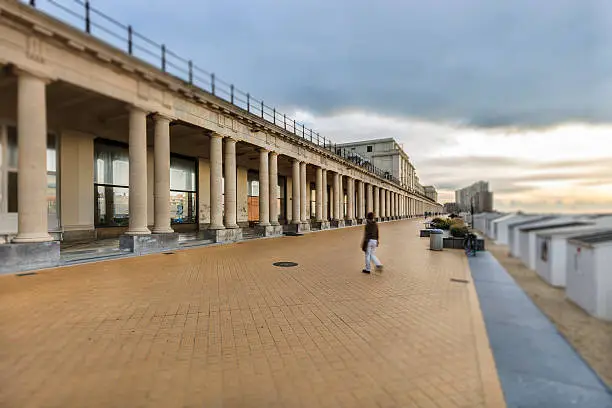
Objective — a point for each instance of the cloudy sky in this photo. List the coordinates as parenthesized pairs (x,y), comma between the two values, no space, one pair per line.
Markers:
(515,92)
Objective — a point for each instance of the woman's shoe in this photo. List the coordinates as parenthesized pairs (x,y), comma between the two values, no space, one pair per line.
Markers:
(365,271)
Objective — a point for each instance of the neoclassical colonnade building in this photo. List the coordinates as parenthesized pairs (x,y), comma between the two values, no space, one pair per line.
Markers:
(97,143)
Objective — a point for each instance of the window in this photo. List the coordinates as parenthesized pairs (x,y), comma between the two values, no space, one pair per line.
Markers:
(313,200)
(369,149)
(111,184)
(9,196)
(183,196)
(112,192)
(282,210)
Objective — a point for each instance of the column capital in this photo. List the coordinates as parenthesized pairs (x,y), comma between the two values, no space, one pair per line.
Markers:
(159,117)
(21,72)
(214,135)
(262,150)
(138,109)
(229,139)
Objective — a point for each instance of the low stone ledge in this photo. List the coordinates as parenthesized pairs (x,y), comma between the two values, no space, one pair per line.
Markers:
(223,235)
(149,244)
(296,229)
(29,256)
(337,223)
(321,225)
(269,230)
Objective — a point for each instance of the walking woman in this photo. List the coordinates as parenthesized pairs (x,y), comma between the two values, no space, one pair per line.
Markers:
(370,242)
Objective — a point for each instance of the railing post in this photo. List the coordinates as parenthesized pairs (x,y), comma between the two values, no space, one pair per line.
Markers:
(190,63)
(311,135)
(130,39)
(212,83)
(274,111)
(294,128)
(248,102)
(303,131)
(87,19)
(262,109)
(285,121)
(232,93)
(163,61)
(33,3)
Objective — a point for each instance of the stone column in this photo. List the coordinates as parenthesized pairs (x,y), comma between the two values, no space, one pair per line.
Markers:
(32,141)
(361,195)
(319,187)
(350,213)
(387,203)
(370,199)
(138,172)
(230,183)
(336,196)
(162,176)
(325,197)
(383,208)
(273,187)
(264,190)
(295,213)
(304,196)
(216,182)
(341,196)
(376,193)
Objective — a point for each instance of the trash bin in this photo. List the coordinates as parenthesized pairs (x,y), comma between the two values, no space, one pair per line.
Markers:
(436,239)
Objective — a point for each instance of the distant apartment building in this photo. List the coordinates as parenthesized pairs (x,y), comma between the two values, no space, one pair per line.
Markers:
(476,195)
(451,208)
(387,155)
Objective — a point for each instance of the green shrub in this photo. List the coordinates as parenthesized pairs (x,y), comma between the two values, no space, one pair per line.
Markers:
(459,231)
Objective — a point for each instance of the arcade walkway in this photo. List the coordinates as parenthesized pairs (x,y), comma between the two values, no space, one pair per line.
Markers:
(222,327)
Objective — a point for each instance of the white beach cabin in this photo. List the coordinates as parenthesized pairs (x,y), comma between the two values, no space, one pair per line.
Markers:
(589,273)
(551,256)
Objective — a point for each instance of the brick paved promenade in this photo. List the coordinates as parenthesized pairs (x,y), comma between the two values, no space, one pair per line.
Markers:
(222,327)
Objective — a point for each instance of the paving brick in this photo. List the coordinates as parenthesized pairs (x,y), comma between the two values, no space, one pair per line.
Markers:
(222,327)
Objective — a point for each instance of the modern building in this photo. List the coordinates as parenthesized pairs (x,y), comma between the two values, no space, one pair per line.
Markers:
(96,143)
(476,195)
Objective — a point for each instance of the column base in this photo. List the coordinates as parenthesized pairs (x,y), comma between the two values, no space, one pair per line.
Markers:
(350,223)
(360,221)
(337,223)
(321,225)
(297,229)
(148,244)
(29,256)
(223,235)
(269,230)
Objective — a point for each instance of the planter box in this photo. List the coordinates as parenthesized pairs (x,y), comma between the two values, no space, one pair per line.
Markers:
(457,243)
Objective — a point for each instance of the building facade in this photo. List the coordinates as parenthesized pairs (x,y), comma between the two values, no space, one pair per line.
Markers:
(389,156)
(476,195)
(95,143)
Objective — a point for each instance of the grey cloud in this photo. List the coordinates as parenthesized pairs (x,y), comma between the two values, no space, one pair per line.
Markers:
(519,63)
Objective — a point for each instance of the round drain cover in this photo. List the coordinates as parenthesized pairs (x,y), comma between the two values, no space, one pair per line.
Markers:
(285,264)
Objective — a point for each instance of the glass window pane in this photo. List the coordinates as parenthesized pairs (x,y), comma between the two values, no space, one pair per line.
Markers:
(112,206)
(12,148)
(12,192)
(182,207)
(182,174)
(51,153)
(112,164)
